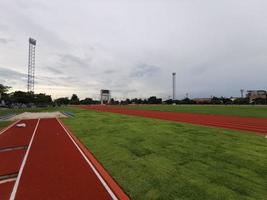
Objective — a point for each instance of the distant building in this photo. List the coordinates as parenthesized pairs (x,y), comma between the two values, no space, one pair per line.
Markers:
(202,100)
(105,96)
(256,94)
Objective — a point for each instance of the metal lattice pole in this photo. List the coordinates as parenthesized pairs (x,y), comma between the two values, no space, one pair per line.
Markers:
(31,65)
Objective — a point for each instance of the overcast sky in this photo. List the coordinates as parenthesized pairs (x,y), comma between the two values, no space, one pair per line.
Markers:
(132,47)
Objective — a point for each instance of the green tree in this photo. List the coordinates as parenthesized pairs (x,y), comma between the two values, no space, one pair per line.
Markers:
(261,101)
(22,97)
(241,101)
(154,100)
(74,99)
(62,101)
(216,100)
(42,99)
(87,101)
(4,89)
(187,101)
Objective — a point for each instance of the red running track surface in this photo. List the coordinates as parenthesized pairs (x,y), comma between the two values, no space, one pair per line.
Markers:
(5,190)
(10,161)
(13,142)
(15,136)
(56,169)
(108,179)
(256,125)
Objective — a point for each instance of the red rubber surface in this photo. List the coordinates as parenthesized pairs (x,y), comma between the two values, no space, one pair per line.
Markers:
(109,180)
(255,125)
(14,136)
(10,161)
(6,189)
(55,169)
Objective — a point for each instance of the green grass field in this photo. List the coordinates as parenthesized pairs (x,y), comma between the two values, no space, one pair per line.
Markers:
(4,124)
(153,159)
(230,110)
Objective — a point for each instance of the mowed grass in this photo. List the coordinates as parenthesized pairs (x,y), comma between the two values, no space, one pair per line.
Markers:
(4,124)
(230,110)
(153,159)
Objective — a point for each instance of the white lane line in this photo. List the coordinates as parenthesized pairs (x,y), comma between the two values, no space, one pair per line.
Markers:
(113,196)
(15,188)
(8,180)
(10,126)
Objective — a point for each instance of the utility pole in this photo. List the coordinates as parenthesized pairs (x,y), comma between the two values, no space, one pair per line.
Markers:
(173,86)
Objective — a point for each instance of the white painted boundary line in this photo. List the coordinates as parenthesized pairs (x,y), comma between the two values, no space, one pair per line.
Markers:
(8,180)
(113,196)
(15,188)
(10,126)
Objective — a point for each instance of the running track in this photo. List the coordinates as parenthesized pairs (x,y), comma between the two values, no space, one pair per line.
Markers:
(45,161)
(254,125)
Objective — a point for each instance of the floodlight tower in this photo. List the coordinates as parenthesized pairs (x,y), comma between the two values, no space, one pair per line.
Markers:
(173,85)
(31,64)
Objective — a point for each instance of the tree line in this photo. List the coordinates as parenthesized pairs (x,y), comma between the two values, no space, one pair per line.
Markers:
(213,100)
(19,98)
(29,99)
(155,100)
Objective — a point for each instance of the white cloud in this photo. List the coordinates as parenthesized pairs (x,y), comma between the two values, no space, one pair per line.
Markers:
(132,47)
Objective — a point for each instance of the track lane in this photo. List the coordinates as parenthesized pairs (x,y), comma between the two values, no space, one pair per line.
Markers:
(14,136)
(13,142)
(252,125)
(55,169)
(5,189)
(111,185)
(10,161)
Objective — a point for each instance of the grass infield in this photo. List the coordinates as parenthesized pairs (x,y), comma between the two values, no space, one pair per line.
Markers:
(153,159)
(4,124)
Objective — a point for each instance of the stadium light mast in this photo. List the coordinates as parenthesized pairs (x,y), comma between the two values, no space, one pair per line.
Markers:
(31,65)
(173,86)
